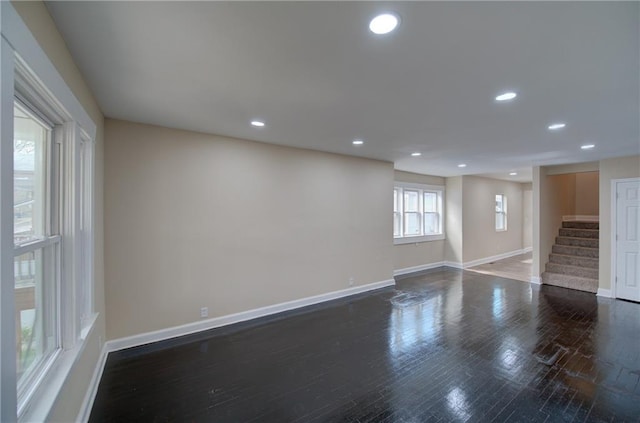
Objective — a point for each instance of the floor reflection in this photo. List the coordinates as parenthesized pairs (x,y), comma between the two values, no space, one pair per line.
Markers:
(445,345)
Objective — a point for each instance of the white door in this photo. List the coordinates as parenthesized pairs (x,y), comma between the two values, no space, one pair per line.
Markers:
(628,240)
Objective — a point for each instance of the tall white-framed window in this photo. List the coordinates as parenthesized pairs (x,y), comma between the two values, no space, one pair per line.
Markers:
(46,226)
(418,213)
(36,237)
(501,212)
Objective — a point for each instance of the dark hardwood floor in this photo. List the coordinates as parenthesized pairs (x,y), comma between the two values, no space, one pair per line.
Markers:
(445,345)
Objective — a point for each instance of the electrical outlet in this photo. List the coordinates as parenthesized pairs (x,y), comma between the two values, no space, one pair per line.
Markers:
(351,281)
(204,311)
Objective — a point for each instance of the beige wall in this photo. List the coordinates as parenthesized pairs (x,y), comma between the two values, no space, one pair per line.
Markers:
(197,220)
(411,255)
(527,215)
(618,168)
(39,22)
(587,194)
(481,239)
(454,221)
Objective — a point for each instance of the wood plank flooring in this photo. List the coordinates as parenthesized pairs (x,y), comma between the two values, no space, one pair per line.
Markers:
(445,345)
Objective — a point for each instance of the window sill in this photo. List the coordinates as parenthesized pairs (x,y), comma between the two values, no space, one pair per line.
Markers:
(417,239)
(40,404)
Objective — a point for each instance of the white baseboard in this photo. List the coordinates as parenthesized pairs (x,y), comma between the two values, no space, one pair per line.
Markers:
(536,280)
(604,293)
(189,328)
(486,260)
(581,218)
(454,264)
(92,390)
(527,250)
(420,268)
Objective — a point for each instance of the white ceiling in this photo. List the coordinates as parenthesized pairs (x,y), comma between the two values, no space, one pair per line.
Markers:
(319,79)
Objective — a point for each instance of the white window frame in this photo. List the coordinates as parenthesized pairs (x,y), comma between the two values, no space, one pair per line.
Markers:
(28,74)
(400,187)
(502,212)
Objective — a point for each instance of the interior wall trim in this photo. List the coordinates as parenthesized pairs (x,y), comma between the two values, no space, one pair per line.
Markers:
(419,268)
(92,390)
(604,293)
(201,325)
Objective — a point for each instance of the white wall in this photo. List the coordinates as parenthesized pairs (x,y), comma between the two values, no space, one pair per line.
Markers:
(37,18)
(407,256)
(196,220)
(618,168)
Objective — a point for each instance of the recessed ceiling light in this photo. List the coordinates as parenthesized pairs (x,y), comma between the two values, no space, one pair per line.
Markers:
(416,154)
(462,165)
(506,96)
(587,146)
(357,142)
(513,173)
(556,126)
(383,24)
(257,123)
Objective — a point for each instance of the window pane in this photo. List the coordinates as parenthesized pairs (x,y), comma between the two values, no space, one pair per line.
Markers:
(499,203)
(431,223)
(411,199)
(430,202)
(395,200)
(499,221)
(396,225)
(412,223)
(29,143)
(34,299)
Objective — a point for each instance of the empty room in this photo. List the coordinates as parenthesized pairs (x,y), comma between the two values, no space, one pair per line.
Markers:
(320,211)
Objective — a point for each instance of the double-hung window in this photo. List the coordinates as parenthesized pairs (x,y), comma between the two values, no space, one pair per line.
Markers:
(501,212)
(36,238)
(418,212)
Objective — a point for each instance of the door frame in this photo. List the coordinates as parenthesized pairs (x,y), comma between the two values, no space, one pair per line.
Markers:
(614,227)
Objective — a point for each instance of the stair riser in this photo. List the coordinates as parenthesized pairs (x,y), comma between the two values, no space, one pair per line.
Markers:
(571,282)
(575,251)
(590,263)
(581,225)
(578,242)
(581,272)
(580,233)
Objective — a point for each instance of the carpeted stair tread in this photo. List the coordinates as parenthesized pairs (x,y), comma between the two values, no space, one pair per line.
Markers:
(578,242)
(571,282)
(575,251)
(571,260)
(566,269)
(581,225)
(580,233)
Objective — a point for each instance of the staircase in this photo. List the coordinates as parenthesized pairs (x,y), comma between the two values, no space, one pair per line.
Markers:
(573,262)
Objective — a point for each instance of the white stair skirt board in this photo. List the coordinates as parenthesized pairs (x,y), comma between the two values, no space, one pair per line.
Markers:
(604,293)
(580,218)
(189,328)
(420,268)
